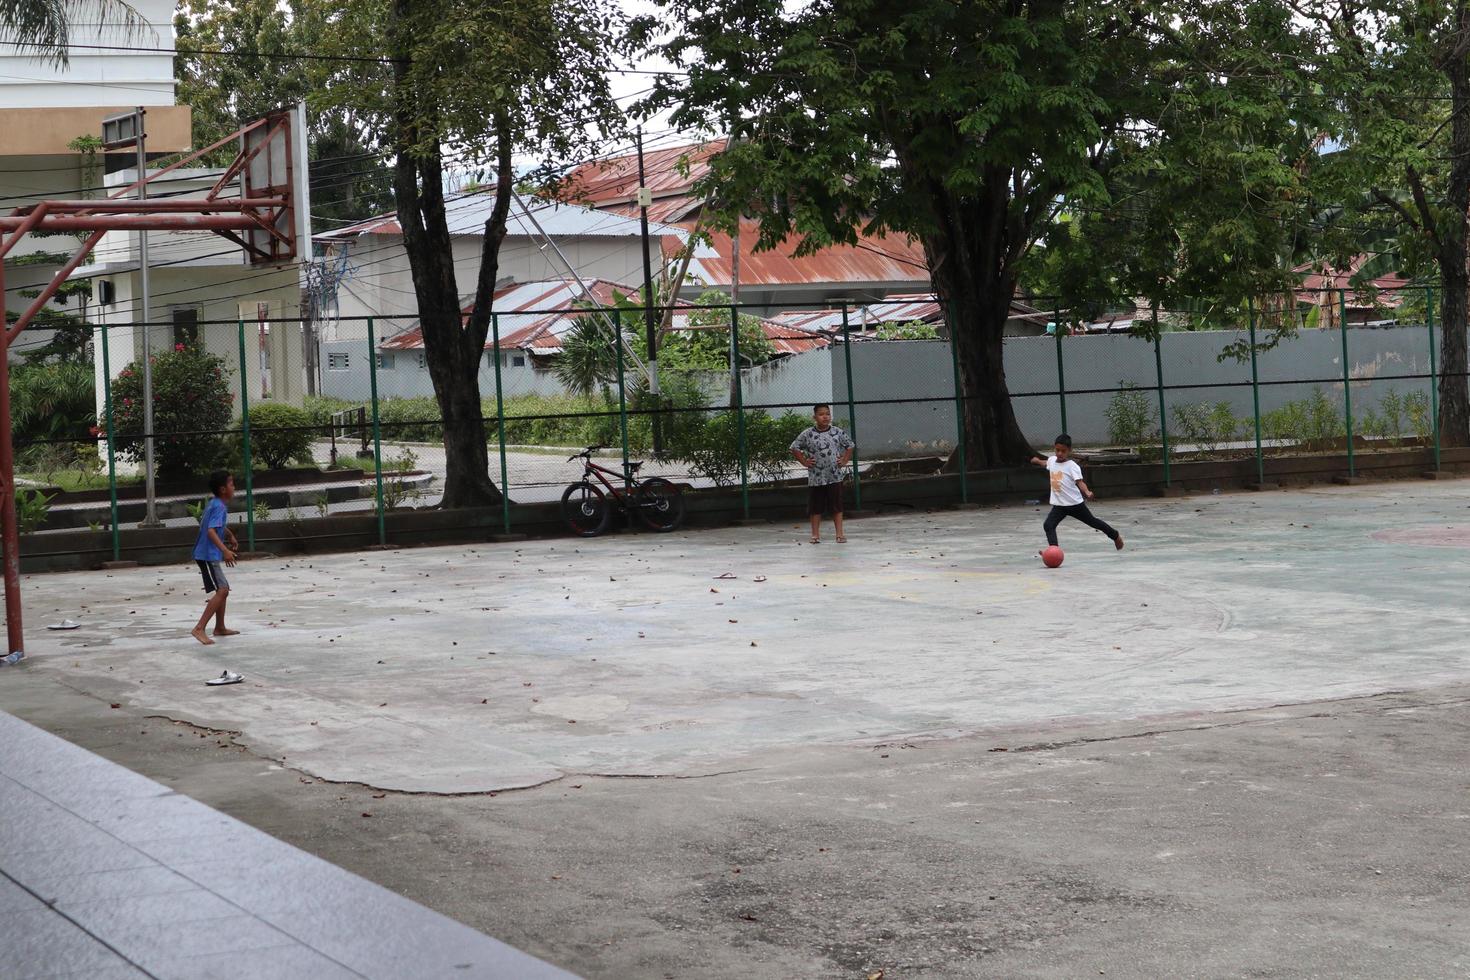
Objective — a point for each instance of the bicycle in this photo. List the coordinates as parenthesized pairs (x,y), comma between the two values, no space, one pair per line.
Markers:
(587,510)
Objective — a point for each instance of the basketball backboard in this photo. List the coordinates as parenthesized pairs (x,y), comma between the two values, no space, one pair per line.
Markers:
(276,167)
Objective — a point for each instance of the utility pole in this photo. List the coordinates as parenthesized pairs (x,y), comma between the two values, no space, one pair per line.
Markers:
(150,514)
(645,198)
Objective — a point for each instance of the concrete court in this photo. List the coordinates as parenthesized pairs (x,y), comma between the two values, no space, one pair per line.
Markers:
(494,667)
(1139,825)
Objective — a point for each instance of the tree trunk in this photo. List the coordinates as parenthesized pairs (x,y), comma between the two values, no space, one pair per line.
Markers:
(1454,387)
(452,348)
(971,255)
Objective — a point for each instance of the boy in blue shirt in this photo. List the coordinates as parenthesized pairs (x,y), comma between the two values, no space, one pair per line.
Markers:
(213,554)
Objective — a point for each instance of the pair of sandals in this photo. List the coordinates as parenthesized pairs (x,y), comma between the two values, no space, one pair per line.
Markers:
(841,539)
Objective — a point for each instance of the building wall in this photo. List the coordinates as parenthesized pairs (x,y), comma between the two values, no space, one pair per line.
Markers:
(381,285)
(217,295)
(904,390)
(404,374)
(129,73)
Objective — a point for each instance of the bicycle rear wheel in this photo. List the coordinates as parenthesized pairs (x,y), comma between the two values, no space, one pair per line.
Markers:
(660,504)
(585,509)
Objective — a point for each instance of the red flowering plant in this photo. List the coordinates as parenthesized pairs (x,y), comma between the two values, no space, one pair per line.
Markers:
(192,406)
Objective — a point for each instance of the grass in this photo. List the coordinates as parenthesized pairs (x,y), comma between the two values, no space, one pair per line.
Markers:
(71,481)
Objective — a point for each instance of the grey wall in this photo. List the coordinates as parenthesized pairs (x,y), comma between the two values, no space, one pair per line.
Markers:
(905,389)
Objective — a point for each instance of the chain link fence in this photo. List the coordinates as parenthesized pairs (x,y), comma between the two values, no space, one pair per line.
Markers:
(341,417)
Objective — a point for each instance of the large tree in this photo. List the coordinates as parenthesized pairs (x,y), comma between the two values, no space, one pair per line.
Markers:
(962,124)
(239,59)
(1400,70)
(1217,191)
(498,88)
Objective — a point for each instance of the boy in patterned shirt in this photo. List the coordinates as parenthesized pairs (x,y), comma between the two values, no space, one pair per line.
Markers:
(825,450)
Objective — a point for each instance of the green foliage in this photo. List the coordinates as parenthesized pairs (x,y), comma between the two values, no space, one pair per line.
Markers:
(1417,407)
(1132,419)
(192,403)
(396,490)
(1313,423)
(588,362)
(280,434)
(1207,427)
(53,400)
(912,330)
(713,450)
(262,510)
(31,508)
(196,510)
(1392,407)
(350,177)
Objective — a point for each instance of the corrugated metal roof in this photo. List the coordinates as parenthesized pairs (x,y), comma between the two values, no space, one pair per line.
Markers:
(550,309)
(606,184)
(874,259)
(467,213)
(922,307)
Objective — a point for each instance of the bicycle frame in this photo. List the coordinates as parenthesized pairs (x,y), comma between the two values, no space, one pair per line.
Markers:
(602,473)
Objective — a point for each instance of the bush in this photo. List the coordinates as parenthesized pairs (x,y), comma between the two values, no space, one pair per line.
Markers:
(192,403)
(1207,426)
(280,434)
(1130,418)
(54,401)
(713,452)
(1416,406)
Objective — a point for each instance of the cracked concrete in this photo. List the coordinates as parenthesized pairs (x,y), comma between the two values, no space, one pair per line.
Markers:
(487,669)
(1237,748)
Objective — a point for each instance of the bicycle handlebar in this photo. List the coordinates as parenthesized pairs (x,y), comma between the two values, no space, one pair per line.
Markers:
(585,454)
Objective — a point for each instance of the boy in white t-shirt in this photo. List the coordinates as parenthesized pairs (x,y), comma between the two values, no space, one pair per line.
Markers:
(1069,493)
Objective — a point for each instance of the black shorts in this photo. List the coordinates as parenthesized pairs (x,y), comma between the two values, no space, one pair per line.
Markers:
(824,500)
(213,573)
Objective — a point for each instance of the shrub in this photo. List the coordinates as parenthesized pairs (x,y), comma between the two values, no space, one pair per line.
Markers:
(51,401)
(1130,417)
(31,508)
(1324,420)
(1286,425)
(1416,406)
(1207,426)
(280,434)
(192,403)
(1392,407)
(714,451)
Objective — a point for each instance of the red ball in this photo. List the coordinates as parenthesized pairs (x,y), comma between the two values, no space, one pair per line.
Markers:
(1052,556)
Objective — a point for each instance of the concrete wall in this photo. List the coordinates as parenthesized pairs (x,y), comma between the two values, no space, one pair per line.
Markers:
(137,68)
(381,284)
(404,374)
(904,390)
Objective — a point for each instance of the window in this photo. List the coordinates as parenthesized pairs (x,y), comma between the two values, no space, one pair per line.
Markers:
(421,360)
(385,361)
(518,360)
(338,360)
(186,326)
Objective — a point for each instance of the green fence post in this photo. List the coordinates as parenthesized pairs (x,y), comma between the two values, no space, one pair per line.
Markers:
(1256,395)
(377,431)
(1061,374)
(959,420)
(857,480)
(500,426)
(111,452)
(1159,375)
(623,416)
(737,388)
(1433,371)
(1347,387)
(245,440)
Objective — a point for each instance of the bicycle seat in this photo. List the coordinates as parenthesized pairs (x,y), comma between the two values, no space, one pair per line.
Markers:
(634,467)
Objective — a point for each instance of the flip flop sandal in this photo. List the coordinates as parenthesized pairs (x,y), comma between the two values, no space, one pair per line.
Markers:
(228,677)
(65,624)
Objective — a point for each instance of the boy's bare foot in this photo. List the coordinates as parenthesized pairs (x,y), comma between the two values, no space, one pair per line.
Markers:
(221,631)
(198,634)
(1118,542)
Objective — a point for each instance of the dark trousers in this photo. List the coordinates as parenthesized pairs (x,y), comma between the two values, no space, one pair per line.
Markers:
(1081,513)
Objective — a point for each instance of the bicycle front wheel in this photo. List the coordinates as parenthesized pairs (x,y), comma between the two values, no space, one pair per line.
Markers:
(660,504)
(585,510)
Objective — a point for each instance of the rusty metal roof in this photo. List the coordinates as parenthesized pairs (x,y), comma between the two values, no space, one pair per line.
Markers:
(534,316)
(875,259)
(612,184)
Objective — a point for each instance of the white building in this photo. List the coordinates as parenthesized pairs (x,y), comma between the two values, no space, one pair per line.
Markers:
(45,107)
(375,279)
